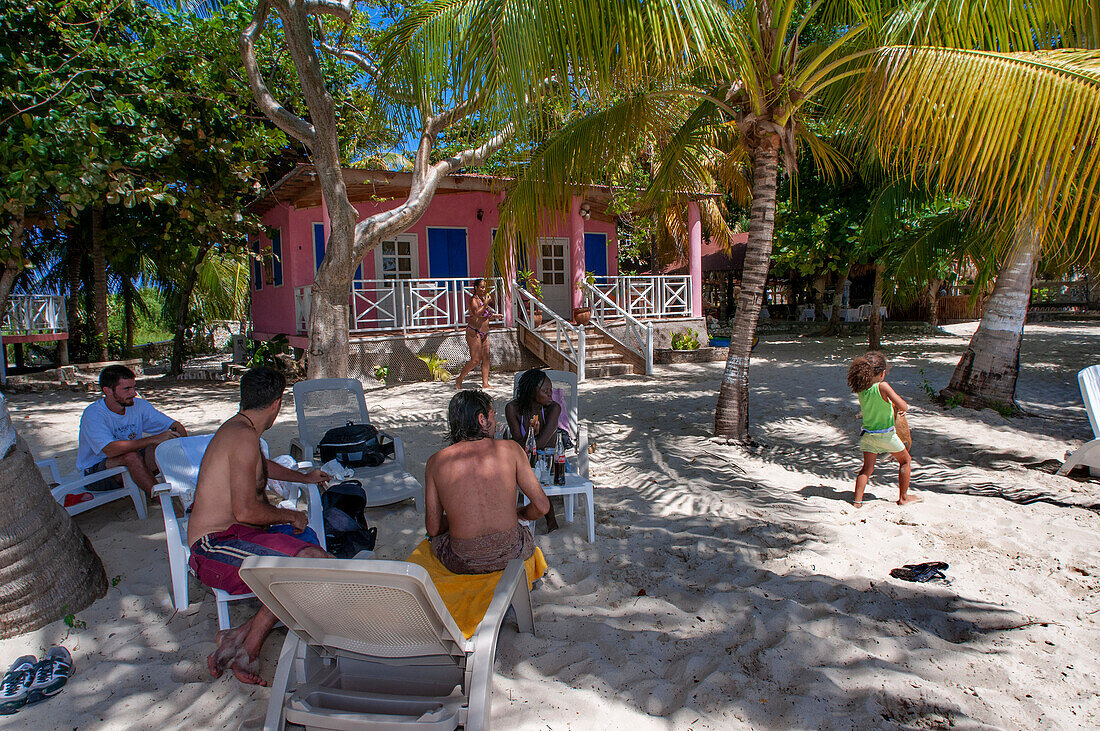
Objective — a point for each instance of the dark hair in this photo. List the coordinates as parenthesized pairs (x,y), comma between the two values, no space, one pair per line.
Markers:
(463,412)
(260,387)
(527,388)
(477,281)
(862,372)
(112,374)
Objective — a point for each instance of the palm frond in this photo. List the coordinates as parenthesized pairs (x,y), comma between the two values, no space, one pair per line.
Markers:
(1013,132)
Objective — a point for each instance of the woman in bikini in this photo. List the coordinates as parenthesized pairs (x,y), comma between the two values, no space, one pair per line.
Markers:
(534,408)
(477,333)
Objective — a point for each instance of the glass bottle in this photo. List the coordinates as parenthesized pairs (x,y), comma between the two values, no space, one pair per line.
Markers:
(559,462)
(530,447)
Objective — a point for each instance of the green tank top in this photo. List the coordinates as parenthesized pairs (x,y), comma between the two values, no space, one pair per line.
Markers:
(878,413)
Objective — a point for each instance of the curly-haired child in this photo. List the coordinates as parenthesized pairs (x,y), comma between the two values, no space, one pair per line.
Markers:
(878,403)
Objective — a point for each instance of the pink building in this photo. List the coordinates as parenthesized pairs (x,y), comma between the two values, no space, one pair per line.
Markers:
(409,295)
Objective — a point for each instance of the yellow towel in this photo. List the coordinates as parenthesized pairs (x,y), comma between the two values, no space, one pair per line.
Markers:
(468,596)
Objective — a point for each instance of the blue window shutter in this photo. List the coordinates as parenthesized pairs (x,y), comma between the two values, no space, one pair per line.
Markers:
(257,266)
(277,254)
(595,254)
(459,266)
(318,245)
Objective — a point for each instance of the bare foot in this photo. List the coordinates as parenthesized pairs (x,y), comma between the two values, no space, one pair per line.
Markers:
(247,669)
(857,503)
(909,499)
(229,643)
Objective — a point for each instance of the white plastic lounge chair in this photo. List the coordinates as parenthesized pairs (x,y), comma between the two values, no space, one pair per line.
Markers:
(372,646)
(578,431)
(324,403)
(1089,454)
(179,461)
(77,482)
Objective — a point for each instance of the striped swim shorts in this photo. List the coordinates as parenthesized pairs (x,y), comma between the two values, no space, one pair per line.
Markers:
(216,557)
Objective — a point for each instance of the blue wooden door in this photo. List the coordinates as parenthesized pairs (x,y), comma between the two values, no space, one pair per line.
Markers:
(447,253)
(595,254)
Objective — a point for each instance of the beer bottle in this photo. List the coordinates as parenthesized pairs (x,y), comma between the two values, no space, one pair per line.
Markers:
(530,447)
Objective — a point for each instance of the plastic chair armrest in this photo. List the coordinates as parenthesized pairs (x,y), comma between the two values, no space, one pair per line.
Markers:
(82,480)
(399,452)
(162,487)
(51,464)
(313,510)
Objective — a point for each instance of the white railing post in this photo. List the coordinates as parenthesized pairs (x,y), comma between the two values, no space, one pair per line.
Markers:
(649,349)
(580,354)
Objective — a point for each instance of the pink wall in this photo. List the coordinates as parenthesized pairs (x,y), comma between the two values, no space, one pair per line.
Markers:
(273,307)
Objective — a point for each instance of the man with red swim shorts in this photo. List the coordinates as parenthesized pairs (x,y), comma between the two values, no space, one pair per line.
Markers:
(231,519)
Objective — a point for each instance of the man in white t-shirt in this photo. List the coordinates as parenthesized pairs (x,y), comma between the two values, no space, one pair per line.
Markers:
(113,429)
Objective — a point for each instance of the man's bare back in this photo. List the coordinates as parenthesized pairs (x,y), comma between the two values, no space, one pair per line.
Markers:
(234,449)
(474,484)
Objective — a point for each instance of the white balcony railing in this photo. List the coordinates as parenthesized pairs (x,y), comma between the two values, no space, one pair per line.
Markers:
(654,297)
(36,313)
(404,304)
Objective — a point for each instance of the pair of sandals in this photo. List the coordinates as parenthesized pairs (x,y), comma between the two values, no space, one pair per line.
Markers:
(921,572)
(30,680)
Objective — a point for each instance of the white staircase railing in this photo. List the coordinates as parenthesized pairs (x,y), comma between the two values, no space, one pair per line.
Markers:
(639,335)
(568,338)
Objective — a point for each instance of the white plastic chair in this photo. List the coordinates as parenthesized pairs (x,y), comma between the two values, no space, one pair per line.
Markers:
(807,313)
(179,461)
(371,645)
(578,431)
(1089,454)
(863,313)
(324,403)
(77,482)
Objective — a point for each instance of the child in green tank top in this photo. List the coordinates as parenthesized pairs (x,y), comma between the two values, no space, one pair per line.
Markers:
(878,403)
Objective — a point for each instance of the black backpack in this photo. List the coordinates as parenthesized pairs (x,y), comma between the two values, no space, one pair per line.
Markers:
(346,530)
(356,445)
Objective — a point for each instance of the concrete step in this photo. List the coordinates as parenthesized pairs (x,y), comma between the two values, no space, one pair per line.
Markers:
(605,371)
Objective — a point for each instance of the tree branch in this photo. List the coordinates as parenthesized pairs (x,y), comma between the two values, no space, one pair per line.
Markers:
(341,9)
(371,70)
(290,123)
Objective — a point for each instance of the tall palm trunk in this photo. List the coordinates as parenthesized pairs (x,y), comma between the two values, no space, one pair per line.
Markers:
(731,417)
(930,298)
(47,567)
(128,320)
(987,372)
(183,309)
(875,322)
(99,282)
(76,285)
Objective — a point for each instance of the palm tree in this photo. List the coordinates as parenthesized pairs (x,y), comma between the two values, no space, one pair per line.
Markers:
(1014,132)
(47,567)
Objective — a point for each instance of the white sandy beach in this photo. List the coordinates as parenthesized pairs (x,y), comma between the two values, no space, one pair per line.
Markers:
(727,588)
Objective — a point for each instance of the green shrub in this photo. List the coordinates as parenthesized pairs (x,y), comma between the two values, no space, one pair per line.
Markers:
(435,367)
(685,341)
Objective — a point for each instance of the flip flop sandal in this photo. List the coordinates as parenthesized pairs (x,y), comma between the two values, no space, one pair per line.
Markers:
(921,575)
(75,498)
(50,675)
(16,684)
(935,565)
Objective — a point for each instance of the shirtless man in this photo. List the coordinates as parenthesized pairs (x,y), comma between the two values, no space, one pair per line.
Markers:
(471,516)
(231,518)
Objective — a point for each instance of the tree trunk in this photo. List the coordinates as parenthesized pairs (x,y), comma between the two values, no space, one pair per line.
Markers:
(47,567)
(875,322)
(99,282)
(731,417)
(76,285)
(819,297)
(838,300)
(987,372)
(930,298)
(128,321)
(183,309)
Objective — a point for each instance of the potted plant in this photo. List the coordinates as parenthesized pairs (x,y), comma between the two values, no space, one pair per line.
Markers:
(583,315)
(528,281)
